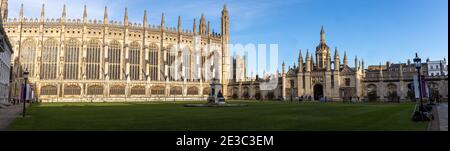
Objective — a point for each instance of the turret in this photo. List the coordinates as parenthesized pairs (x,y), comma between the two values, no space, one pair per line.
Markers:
(21,13)
(64,14)
(283,66)
(85,14)
(322,35)
(4,10)
(125,18)
(105,16)
(162,22)
(179,24)
(145,22)
(202,28)
(194,28)
(337,61)
(345,59)
(308,61)
(363,70)
(42,13)
(356,63)
(328,61)
(300,61)
(209,29)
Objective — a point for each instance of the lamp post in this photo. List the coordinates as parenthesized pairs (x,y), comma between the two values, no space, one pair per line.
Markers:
(418,64)
(25,77)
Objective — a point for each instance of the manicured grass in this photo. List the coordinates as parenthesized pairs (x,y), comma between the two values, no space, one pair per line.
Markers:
(277,116)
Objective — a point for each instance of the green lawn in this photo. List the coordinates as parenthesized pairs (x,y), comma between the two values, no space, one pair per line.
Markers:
(278,116)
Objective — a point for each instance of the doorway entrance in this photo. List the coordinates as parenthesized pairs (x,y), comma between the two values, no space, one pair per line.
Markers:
(318,91)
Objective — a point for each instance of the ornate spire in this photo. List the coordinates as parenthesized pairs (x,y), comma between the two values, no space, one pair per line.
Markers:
(64,14)
(345,58)
(145,19)
(300,56)
(322,35)
(194,28)
(21,12)
(202,27)
(105,16)
(225,7)
(179,24)
(162,22)
(209,28)
(85,14)
(356,62)
(300,61)
(125,17)
(42,13)
(307,55)
(336,53)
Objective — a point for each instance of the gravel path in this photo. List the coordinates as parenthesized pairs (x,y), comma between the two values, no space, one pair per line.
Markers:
(7,115)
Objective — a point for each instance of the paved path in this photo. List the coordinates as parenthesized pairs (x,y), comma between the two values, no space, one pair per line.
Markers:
(443,116)
(7,115)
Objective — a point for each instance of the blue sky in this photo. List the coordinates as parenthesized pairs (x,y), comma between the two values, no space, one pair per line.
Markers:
(376,30)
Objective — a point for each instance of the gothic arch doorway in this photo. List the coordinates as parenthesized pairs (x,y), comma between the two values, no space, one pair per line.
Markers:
(318,91)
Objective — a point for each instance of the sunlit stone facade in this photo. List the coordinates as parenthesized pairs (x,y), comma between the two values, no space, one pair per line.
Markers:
(103,60)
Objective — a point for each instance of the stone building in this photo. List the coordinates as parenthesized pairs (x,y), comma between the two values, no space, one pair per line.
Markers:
(325,77)
(103,60)
(394,82)
(5,63)
(437,67)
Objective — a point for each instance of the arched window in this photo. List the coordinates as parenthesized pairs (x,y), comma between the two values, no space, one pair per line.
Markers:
(187,63)
(117,90)
(192,91)
(95,90)
(27,55)
(49,59)
(157,90)
(153,61)
(176,91)
(49,90)
(171,56)
(138,90)
(71,59)
(72,90)
(114,60)
(93,53)
(135,60)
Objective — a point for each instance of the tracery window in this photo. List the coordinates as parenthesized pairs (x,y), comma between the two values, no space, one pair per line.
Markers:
(134,57)
(153,62)
(117,90)
(157,90)
(192,91)
(93,55)
(187,64)
(72,90)
(49,59)
(95,90)
(171,56)
(138,90)
(27,55)
(176,91)
(114,60)
(71,59)
(49,90)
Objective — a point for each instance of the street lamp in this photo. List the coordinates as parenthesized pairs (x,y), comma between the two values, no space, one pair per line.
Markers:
(418,64)
(25,77)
